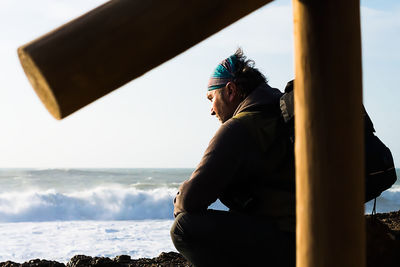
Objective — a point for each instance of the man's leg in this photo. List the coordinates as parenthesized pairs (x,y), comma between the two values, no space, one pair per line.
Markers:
(221,238)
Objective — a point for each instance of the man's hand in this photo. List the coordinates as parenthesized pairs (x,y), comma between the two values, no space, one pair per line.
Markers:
(176,209)
(178,206)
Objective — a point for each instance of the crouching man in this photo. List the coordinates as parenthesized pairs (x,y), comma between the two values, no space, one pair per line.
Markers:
(249,166)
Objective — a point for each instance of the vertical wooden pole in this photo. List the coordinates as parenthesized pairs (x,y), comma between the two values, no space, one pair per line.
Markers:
(329,139)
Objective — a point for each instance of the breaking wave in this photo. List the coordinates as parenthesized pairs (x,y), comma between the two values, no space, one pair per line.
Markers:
(101,203)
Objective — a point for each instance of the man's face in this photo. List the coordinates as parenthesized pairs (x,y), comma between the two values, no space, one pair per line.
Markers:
(221,107)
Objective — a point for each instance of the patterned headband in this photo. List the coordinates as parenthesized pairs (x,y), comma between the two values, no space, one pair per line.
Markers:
(223,74)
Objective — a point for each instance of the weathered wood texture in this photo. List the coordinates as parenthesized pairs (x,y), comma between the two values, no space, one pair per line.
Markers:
(329,139)
(117,42)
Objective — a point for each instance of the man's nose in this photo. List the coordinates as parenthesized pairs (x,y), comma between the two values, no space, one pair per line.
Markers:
(212,111)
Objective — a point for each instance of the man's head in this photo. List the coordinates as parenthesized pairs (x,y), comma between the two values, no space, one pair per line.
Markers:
(224,101)
(232,81)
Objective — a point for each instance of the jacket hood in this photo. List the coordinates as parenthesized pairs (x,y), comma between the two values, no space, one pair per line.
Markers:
(263,97)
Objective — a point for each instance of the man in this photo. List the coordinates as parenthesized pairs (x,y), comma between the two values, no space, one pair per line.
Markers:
(249,166)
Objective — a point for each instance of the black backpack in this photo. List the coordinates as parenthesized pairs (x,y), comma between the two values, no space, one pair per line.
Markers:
(380,173)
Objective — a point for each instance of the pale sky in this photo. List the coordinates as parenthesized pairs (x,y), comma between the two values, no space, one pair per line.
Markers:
(162,119)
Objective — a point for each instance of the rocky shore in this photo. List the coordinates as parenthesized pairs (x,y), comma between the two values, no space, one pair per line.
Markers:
(165,259)
(383,239)
(383,249)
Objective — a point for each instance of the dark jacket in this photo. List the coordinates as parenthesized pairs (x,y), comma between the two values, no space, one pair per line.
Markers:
(248,164)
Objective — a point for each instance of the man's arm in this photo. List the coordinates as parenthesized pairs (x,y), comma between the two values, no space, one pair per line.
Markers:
(220,162)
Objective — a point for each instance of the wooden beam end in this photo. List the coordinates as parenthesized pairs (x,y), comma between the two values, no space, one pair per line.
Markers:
(39,82)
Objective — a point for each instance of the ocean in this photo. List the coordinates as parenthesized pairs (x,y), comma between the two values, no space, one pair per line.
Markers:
(55,214)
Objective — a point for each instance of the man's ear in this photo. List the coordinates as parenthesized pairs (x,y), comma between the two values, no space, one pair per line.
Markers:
(232,91)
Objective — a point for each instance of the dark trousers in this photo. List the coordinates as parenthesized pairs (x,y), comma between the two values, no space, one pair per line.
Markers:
(222,238)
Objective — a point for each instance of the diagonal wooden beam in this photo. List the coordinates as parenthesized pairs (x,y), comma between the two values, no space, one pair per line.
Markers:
(329,134)
(102,50)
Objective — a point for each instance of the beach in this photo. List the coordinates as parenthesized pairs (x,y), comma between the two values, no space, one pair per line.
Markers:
(55,214)
(382,247)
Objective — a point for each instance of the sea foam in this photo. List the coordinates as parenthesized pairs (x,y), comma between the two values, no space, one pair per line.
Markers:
(100,203)
(60,241)
(388,201)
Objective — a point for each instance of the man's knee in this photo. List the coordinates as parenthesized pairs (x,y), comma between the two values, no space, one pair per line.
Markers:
(185,234)
(188,230)
(178,230)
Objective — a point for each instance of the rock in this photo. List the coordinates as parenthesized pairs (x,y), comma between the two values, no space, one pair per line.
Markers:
(32,263)
(392,220)
(123,259)
(9,264)
(42,263)
(86,261)
(163,260)
(383,241)
(79,260)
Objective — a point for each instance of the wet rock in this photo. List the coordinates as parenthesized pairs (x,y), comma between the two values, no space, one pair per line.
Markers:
(165,259)
(123,259)
(79,260)
(32,263)
(170,259)
(9,264)
(42,263)
(86,261)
